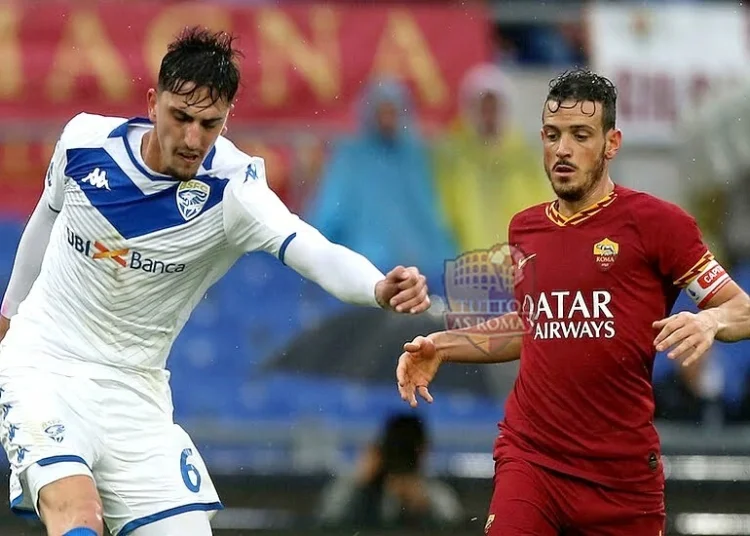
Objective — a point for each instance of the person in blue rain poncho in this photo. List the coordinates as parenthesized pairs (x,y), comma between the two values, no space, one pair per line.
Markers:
(377,195)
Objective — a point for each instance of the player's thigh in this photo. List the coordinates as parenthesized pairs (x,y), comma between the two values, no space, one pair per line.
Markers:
(44,433)
(150,469)
(187,524)
(521,503)
(642,525)
(606,512)
(162,478)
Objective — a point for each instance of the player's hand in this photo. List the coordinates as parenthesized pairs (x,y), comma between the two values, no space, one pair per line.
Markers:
(404,290)
(4,326)
(688,335)
(416,368)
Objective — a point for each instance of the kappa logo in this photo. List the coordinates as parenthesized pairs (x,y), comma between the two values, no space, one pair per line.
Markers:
(251,172)
(192,196)
(605,253)
(97,179)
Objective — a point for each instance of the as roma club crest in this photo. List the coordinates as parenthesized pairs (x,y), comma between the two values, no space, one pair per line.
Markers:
(605,253)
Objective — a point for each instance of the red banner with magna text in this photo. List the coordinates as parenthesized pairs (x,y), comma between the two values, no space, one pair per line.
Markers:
(304,64)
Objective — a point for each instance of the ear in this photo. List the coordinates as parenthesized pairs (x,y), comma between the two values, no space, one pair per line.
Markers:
(612,143)
(151,98)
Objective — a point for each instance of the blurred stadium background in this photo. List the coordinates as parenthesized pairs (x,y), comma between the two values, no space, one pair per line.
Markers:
(281,386)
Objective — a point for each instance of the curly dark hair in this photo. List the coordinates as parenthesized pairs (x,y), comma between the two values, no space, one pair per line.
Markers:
(205,58)
(581,85)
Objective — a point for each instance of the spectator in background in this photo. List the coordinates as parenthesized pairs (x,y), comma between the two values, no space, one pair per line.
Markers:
(308,163)
(376,195)
(485,170)
(389,488)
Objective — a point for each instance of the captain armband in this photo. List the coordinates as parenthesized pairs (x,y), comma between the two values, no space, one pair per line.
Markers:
(708,283)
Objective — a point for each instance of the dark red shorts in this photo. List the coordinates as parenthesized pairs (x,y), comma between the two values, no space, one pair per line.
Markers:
(529,500)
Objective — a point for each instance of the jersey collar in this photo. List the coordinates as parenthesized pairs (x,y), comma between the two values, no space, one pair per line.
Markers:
(121,131)
(561,221)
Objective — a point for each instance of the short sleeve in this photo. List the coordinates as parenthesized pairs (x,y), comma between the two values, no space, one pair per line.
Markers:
(676,243)
(255,219)
(54,182)
(681,255)
(512,234)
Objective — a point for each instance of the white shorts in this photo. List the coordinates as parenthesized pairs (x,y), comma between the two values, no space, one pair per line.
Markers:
(145,467)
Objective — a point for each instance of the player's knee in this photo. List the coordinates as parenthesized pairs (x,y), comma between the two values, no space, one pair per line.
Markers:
(71,503)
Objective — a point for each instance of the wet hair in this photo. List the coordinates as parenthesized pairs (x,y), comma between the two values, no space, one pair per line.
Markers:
(199,58)
(581,86)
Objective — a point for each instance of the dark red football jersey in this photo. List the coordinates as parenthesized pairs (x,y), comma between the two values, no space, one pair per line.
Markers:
(592,285)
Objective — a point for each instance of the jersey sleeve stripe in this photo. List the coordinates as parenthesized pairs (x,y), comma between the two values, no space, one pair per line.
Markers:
(66,458)
(695,271)
(284,245)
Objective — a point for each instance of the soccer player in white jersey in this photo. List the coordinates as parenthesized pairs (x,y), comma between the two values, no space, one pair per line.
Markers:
(138,218)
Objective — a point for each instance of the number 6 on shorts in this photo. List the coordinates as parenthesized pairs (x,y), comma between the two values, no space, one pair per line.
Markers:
(190,475)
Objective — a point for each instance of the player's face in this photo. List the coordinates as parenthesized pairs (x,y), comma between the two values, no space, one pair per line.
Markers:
(576,150)
(186,128)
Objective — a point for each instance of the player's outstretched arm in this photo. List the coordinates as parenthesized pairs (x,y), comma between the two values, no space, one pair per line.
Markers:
(35,238)
(725,317)
(423,356)
(255,219)
(28,261)
(352,278)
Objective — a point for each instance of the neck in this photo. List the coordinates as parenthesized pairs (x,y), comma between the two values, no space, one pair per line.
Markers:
(150,152)
(602,190)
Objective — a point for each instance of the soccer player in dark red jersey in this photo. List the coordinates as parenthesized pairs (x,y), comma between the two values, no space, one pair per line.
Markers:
(578,453)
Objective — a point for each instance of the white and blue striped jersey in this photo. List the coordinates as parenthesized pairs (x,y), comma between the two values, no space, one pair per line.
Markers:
(132,252)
